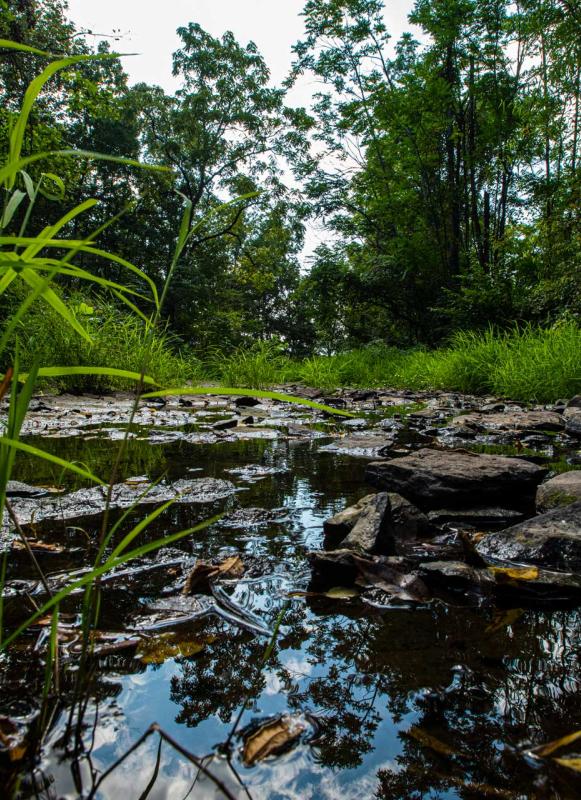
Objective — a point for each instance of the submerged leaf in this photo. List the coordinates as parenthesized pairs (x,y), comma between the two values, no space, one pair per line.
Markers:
(11,739)
(341,593)
(171,645)
(504,619)
(203,574)
(271,738)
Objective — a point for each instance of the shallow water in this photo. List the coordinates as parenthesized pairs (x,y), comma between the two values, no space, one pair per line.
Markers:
(433,701)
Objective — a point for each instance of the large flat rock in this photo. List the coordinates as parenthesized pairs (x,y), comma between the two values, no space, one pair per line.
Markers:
(511,421)
(559,491)
(456,478)
(551,540)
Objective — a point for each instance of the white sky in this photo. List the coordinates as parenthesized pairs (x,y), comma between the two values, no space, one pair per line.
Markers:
(148,27)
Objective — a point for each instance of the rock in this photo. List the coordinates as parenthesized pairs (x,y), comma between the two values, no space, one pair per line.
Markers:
(551,540)
(559,491)
(572,418)
(377,524)
(362,446)
(455,574)
(246,402)
(514,421)
(457,479)
(476,517)
(460,576)
(575,402)
(225,424)
(91,502)
(370,533)
(18,489)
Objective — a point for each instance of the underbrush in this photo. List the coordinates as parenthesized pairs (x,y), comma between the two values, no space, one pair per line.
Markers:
(530,364)
(118,341)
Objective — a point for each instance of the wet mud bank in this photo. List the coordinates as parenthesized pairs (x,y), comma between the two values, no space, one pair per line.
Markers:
(385,605)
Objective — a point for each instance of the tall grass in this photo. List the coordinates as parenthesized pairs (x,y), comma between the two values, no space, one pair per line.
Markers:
(530,364)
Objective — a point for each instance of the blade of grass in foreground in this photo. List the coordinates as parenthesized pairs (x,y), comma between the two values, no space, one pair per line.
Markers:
(106,567)
(221,390)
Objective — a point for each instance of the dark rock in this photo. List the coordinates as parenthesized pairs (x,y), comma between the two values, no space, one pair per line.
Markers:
(455,574)
(572,418)
(552,540)
(246,402)
(513,421)
(559,491)
(18,489)
(225,424)
(406,520)
(334,402)
(87,503)
(476,517)
(438,478)
(575,402)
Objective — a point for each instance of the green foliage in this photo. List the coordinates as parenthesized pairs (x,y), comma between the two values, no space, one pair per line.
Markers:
(258,367)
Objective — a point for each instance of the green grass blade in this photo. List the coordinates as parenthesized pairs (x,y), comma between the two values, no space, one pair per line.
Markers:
(6,44)
(286,398)
(112,372)
(137,529)
(11,208)
(96,573)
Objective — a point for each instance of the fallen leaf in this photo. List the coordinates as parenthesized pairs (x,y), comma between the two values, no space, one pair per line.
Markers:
(550,747)
(504,619)
(570,763)
(271,738)
(430,741)
(515,573)
(44,547)
(200,578)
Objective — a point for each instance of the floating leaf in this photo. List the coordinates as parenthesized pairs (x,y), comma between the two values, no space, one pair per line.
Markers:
(430,741)
(570,763)
(203,574)
(271,738)
(556,744)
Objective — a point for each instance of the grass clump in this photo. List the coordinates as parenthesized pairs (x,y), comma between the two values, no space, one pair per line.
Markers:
(530,364)
(119,340)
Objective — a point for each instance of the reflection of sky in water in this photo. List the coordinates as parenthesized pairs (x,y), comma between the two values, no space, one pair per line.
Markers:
(356,673)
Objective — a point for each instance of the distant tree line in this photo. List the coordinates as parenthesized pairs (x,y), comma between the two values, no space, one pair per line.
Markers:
(446,172)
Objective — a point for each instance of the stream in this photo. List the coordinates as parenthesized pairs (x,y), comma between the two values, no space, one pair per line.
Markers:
(441,699)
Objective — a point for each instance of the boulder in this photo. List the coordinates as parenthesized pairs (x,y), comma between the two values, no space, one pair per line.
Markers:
(376,524)
(514,421)
(551,540)
(559,491)
(572,418)
(435,479)
(476,517)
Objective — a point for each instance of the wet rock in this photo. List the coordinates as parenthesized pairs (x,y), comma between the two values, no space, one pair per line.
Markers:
(551,540)
(572,418)
(363,446)
(255,472)
(377,523)
(18,489)
(91,502)
(559,491)
(456,575)
(225,424)
(457,479)
(476,517)
(246,402)
(575,402)
(514,421)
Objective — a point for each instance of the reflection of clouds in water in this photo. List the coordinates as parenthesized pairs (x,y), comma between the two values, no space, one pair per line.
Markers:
(298,777)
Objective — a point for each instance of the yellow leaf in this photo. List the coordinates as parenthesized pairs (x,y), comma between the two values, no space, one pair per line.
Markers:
(550,747)
(271,738)
(162,648)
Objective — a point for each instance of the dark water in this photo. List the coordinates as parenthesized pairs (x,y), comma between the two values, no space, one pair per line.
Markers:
(435,701)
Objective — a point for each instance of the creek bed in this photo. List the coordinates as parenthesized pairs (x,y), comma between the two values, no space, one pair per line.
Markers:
(433,700)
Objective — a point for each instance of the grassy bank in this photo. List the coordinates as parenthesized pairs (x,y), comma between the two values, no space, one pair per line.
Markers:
(531,365)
